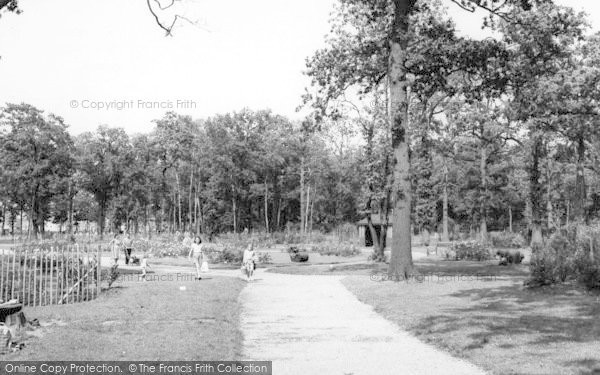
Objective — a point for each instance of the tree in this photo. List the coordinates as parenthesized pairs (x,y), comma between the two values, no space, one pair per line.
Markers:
(541,44)
(37,155)
(103,157)
(375,41)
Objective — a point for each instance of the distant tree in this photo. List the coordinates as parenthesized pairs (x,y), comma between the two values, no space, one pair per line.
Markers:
(36,151)
(103,158)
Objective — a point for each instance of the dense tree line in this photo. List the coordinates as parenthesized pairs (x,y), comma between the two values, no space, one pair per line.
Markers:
(250,169)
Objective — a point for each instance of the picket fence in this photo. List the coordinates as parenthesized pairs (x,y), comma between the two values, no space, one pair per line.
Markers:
(49,275)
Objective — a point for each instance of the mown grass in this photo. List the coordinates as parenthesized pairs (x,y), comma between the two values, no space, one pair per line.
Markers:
(154,320)
(491,321)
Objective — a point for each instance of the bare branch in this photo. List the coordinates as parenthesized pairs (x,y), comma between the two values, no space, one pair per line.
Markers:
(457,2)
(165,7)
(165,28)
(168,28)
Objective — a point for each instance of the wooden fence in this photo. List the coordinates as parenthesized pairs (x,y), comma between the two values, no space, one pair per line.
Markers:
(49,275)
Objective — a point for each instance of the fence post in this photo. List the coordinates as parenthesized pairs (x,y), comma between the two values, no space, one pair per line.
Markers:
(2,276)
(51,275)
(41,275)
(77,294)
(35,264)
(24,277)
(12,284)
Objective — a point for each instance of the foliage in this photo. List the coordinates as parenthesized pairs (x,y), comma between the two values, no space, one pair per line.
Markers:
(342,249)
(507,240)
(565,258)
(469,250)
(265,258)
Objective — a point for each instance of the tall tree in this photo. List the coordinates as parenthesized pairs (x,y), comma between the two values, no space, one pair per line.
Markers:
(104,156)
(37,155)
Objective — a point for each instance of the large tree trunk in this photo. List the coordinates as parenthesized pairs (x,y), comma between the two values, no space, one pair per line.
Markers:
(536,191)
(510,219)
(307,208)
(234,209)
(580,189)
(178,197)
(445,234)
(483,195)
(3,218)
(190,218)
(401,264)
(302,224)
(266,206)
(101,216)
(279,213)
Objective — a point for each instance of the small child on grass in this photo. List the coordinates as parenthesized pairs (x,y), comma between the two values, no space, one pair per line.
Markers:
(144,266)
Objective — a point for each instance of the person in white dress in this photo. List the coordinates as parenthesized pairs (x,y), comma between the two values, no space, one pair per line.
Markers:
(197,255)
(249,262)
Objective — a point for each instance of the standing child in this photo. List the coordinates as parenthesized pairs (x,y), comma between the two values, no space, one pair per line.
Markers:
(128,247)
(197,255)
(115,246)
(144,265)
(249,261)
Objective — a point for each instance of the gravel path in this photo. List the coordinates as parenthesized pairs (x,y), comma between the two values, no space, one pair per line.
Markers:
(314,325)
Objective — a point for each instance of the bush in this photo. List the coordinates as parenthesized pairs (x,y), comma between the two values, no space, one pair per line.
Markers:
(589,275)
(507,240)
(160,249)
(566,257)
(509,257)
(265,258)
(342,249)
(469,250)
(227,255)
(553,263)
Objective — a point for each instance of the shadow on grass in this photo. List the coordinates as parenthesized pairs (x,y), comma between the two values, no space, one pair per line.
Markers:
(469,268)
(517,318)
(593,365)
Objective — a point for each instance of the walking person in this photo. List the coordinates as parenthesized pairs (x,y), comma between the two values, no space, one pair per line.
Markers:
(115,248)
(249,262)
(127,247)
(144,265)
(197,255)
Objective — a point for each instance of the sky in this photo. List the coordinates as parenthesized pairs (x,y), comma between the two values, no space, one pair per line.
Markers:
(99,62)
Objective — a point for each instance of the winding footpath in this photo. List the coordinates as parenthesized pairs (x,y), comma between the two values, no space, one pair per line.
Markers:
(314,325)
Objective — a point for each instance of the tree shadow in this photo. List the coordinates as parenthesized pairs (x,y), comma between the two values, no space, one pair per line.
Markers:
(514,317)
(589,366)
(470,268)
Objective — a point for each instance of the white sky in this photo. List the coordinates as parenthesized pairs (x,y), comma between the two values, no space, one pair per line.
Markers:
(245,53)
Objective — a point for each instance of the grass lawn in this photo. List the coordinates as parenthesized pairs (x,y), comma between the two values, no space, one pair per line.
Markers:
(155,320)
(494,321)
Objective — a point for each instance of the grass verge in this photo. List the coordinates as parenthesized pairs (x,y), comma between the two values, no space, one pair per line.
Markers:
(495,322)
(142,321)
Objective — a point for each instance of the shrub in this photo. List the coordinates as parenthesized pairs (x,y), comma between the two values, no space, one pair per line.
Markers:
(342,249)
(589,275)
(509,257)
(227,255)
(507,240)
(553,263)
(469,250)
(565,257)
(264,258)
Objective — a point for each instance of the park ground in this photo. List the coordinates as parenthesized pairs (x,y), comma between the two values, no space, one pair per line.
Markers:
(156,320)
(476,311)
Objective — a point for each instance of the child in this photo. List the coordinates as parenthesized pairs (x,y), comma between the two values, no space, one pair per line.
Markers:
(249,261)
(144,265)
(197,255)
(115,247)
